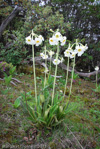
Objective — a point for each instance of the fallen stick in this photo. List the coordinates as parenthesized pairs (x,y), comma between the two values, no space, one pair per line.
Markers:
(39,60)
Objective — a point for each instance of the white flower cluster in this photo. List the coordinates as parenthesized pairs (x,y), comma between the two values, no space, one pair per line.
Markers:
(45,56)
(37,41)
(79,50)
(57,37)
(51,53)
(58,61)
(96,68)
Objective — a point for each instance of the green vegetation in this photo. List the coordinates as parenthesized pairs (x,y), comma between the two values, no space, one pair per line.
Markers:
(79,126)
(42,105)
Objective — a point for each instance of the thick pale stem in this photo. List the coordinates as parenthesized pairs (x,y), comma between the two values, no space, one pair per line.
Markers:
(72,78)
(55,73)
(50,66)
(34,73)
(96,78)
(66,77)
(50,63)
(45,69)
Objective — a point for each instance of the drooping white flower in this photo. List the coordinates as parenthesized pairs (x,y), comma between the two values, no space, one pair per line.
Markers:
(58,36)
(46,70)
(45,56)
(79,50)
(29,40)
(70,48)
(72,54)
(96,68)
(62,59)
(56,61)
(85,47)
(67,53)
(53,41)
(51,53)
(41,54)
(38,41)
(41,37)
(63,40)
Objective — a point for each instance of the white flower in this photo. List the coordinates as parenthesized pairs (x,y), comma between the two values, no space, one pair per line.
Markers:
(63,40)
(56,62)
(67,53)
(41,37)
(60,91)
(72,54)
(46,70)
(58,36)
(96,68)
(61,60)
(85,47)
(38,41)
(45,56)
(79,50)
(69,48)
(30,41)
(51,53)
(41,54)
(53,41)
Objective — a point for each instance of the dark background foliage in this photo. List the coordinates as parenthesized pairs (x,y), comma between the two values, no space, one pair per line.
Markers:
(75,19)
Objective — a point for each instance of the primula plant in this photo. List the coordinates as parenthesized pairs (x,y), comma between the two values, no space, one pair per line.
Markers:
(97,89)
(48,108)
(56,39)
(71,52)
(36,40)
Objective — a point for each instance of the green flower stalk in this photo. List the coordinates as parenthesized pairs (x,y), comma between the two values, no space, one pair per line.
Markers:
(72,78)
(55,72)
(50,65)
(96,78)
(66,77)
(34,73)
(96,69)
(34,68)
(51,53)
(45,68)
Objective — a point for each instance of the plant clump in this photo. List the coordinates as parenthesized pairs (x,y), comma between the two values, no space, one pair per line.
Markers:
(9,69)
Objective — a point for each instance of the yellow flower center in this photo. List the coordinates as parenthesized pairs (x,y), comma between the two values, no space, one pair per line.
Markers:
(57,36)
(79,50)
(67,52)
(64,40)
(37,41)
(29,40)
(51,40)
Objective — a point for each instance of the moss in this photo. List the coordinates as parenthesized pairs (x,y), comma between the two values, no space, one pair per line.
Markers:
(40,71)
(52,145)
(27,69)
(75,118)
(86,99)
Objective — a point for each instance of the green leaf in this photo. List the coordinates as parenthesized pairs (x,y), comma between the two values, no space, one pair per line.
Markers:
(17,102)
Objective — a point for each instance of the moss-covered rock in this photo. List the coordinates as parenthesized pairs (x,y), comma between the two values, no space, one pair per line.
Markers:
(28,69)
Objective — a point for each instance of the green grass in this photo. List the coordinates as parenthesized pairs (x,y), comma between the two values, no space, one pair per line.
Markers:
(81,128)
